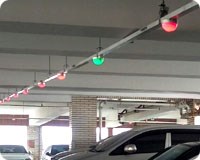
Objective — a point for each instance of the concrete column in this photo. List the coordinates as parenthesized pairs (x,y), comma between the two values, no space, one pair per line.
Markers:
(83,119)
(191,104)
(110,132)
(34,141)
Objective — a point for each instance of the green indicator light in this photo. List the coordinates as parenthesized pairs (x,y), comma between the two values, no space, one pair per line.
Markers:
(98,60)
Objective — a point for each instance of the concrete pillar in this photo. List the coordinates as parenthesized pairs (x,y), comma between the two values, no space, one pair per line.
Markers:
(191,104)
(83,120)
(34,141)
(110,132)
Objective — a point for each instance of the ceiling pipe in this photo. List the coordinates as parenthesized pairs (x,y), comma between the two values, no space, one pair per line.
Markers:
(153,122)
(154,104)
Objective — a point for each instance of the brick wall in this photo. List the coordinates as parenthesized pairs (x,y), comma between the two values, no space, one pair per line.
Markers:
(83,115)
(191,120)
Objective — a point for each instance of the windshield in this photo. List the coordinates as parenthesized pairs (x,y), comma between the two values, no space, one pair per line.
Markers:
(106,143)
(60,148)
(173,152)
(12,149)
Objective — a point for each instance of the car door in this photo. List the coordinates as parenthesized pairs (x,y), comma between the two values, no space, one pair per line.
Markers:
(147,144)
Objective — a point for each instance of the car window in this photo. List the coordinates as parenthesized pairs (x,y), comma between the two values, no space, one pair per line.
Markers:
(193,152)
(149,142)
(172,153)
(106,143)
(178,152)
(184,136)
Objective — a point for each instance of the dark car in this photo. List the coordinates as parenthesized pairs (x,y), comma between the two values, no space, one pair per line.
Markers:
(184,151)
(53,150)
(139,144)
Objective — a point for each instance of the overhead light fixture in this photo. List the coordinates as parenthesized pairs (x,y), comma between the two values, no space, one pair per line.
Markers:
(1,101)
(25,91)
(98,60)
(1,2)
(41,84)
(16,95)
(61,76)
(168,25)
(7,99)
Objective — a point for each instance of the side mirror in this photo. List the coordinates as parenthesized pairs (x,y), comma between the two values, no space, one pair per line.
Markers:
(130,148)
(48,154)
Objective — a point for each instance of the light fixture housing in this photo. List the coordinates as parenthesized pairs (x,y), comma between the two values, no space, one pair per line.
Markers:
(25,91)
(16,95)
(61,76)
(41,84)
(98,60)
(1,2)
(7,99)
(169,25)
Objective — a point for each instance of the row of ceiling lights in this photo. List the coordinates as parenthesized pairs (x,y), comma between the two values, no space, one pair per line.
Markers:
(169,25)
(97,60)
(41,84)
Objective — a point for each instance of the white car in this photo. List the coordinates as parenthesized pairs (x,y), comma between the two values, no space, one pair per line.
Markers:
(14,152)
(138,144)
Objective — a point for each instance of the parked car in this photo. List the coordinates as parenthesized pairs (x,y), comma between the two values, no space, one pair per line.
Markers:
(14,152)
(53,150)
(185,151)
(147,141)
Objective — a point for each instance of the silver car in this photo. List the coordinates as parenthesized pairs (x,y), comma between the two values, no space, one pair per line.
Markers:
(14,152)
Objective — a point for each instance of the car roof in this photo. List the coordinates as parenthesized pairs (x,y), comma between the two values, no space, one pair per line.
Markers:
(57,145)
(10,145)
(176,126)
(160,127)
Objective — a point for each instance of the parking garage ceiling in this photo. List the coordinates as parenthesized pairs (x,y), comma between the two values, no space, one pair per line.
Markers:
(156,65)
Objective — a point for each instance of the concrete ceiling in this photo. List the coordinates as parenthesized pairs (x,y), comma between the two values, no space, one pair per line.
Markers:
(157,64)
